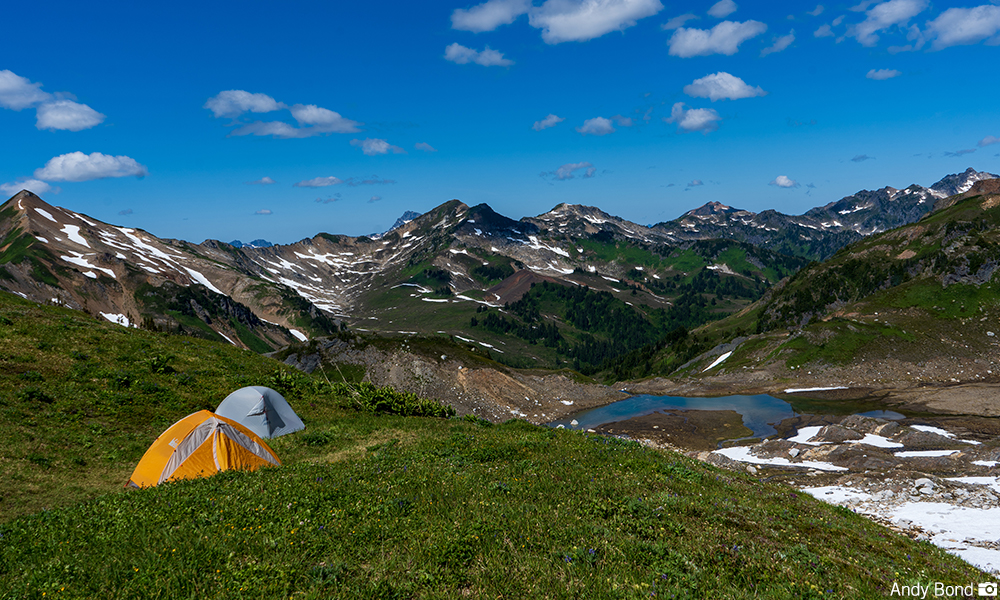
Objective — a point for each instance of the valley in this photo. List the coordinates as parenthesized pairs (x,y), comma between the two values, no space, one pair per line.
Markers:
(883,298)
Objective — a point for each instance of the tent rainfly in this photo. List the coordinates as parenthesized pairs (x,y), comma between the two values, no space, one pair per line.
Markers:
(201,445)
(262,411)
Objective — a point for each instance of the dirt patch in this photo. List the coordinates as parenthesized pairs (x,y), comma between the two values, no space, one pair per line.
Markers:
(494,394)
(690,429)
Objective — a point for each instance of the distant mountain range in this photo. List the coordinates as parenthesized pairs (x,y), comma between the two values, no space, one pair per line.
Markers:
(254,244)
(436,272)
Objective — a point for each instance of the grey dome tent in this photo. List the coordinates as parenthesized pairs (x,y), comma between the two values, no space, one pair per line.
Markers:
(261,410)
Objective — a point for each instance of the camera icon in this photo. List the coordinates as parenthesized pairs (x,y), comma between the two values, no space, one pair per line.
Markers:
(988,589)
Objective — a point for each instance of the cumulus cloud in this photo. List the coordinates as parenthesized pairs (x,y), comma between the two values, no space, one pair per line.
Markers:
(989,141)
(816,11)
(678,21)
(965,26)
(322,119)
(784,182)
(883,74)
(695,183)
(693,119)
(549,121)
(568,171)
(425,147)
(724,38)
(233,103)
(32,185)
(722,86)
(77,166)
(262,181)
(582,20)
(487,57)
(623,121)
(17,92)
(67,115)
(488,15)
(823,31)
(263,211)
(374,199)
(312,120)
(329,199)
(722,8)
(596,126)
(958,153)
(779,44)
(375,146)
(319,182)
(884,16)
(52,111)
(862,158)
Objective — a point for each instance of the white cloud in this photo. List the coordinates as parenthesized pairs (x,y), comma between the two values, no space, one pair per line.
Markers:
(582,20)
(77,166)
(374,199)
(319,182)
(823,31)
(17,92)
(694,119)
(67,115)
(622,121)
(779,44)
(488,15)
(722,8)
(233,103)
(722,86)
(313,120)
(278,129)
(566,171)
(374,146)
(965,26)
(989,141)
(425,147)
(263,212)
(816,11)
(883,74)
(596,126)
(52,112)
(322,119)
(884,16)
(784,182)
(487,57)
(724,38)
(549,121)
(695,183)
(32,185)
(678,21)
(262,181)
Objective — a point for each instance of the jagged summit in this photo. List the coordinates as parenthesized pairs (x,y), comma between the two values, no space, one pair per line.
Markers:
(960,183)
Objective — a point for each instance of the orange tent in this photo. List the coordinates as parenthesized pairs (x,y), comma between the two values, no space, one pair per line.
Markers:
(200,445)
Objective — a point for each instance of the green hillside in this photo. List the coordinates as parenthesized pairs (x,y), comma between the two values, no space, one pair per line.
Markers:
(922,292)
(370,504)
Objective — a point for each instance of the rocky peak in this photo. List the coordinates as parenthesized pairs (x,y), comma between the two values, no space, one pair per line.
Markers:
(960,183)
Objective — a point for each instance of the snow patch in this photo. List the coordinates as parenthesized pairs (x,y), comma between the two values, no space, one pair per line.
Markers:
(46,214)
(73,233)
(298,335)
(117,319)
(925,453)
(814,389)
(719,360)
(742,454)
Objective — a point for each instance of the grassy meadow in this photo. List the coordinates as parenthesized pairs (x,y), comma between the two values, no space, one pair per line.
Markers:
(375,505)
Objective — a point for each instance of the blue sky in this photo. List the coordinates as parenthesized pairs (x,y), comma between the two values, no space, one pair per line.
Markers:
(252,119)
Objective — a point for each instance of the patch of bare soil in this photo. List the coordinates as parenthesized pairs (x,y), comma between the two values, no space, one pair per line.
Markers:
(689,429)
(492,394)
